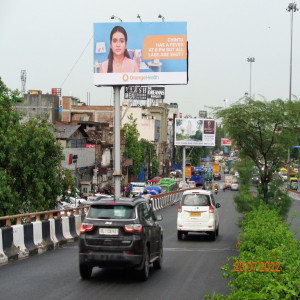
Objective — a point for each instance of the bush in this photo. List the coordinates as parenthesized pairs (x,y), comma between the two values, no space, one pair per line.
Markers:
(264,238)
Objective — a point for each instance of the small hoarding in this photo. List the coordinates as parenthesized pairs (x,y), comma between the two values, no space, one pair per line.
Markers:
(226,142)
(140,53)
(195,132)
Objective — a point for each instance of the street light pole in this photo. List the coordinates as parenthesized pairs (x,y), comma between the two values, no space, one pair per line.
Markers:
(250,60)
(291,9)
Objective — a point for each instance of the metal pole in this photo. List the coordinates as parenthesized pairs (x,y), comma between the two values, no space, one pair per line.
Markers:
(250,77)
(117,171)
(291,56)
(183,164)
(288,174)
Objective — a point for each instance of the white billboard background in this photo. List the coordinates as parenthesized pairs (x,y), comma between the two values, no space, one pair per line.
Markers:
(195,132)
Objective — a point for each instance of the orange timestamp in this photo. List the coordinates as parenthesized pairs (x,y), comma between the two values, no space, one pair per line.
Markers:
(253,266)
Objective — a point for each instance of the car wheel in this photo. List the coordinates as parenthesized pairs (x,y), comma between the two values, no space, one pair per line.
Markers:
(212,235)
(179,235)
(144,273)
(85,271)
(158,263)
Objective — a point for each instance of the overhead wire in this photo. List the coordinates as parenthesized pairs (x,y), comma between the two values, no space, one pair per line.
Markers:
(77,61)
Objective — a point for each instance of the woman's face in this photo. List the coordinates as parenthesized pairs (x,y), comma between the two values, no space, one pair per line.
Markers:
(118,43)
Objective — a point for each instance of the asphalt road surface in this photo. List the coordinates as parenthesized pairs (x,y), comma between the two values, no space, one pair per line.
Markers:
(191,267)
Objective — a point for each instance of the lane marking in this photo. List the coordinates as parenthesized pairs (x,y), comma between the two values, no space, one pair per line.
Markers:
(198,250)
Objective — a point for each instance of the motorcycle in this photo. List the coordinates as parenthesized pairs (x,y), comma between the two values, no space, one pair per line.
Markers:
(216,191)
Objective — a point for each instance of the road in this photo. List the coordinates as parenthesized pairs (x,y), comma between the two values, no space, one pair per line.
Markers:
(191,267)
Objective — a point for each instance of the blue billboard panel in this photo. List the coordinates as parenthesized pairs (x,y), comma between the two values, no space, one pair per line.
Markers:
(140,53)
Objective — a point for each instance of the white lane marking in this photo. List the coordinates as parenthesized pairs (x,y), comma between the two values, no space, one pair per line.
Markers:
(198,250)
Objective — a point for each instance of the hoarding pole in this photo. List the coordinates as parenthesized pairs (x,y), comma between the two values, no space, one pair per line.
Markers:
(183,164)
(117,145)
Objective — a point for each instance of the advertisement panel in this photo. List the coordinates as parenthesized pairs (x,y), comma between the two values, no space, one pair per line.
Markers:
(226,142)
(195,132)
(140,53)
(135,92)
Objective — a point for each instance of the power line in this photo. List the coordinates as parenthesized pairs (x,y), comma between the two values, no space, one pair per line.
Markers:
(76,61)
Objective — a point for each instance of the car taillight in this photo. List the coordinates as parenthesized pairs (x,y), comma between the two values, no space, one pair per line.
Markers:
(86,227)
(211,209)
(134,228)
(180,208)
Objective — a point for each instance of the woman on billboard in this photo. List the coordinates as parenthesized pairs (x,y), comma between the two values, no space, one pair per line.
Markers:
(119,60)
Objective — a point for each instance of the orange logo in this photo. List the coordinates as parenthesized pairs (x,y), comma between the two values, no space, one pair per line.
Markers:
(125,77)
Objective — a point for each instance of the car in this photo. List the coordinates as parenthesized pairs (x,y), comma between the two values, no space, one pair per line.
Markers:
(154,180)
(217,176)
(198,213)
(122,233)
(98,197)
(192,184)
(235,184)
(237,174)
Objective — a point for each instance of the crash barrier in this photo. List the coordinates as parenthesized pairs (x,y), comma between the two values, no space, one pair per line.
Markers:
(35,233)
(161,201)
(294,195)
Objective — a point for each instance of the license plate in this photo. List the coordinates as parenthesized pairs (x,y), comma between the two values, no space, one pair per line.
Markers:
(109,231)
(195,214)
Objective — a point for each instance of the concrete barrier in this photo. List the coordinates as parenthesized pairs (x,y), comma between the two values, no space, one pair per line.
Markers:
(28,239)
(9,249)
(3,257)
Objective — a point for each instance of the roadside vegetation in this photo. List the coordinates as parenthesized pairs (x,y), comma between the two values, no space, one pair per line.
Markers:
(268,263)
(30,159)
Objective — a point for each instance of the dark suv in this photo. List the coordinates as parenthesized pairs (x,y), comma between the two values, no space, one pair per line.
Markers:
(120,233)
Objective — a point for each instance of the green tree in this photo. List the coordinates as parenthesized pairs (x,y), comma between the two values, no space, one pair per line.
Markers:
(133,148)
(30,158)
(263,131)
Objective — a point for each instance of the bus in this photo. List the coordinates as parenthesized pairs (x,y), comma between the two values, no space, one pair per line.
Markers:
(198,176)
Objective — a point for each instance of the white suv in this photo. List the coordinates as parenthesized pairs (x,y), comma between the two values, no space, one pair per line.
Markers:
(197,212)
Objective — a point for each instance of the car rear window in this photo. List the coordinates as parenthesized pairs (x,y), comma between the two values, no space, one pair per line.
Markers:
(195,200)
(111,212)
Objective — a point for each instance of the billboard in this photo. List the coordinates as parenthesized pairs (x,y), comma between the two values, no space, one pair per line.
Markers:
(195,132)
(140,53)
(226,142)
(144,92)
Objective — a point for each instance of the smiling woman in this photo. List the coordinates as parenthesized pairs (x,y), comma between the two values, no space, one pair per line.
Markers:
(118,60)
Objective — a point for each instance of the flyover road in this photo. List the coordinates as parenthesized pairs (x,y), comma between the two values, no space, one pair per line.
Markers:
(191,267)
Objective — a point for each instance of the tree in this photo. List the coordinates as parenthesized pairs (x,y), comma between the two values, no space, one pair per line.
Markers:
(133,148)
(30,158)
(263,131)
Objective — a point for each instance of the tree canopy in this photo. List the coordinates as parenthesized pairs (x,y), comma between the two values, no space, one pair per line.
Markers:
(30,159)
(263,131)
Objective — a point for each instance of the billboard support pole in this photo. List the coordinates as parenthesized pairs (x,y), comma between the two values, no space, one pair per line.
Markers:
(183,164)
(117,141)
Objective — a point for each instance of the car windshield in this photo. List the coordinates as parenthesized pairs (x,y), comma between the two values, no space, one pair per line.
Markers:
(195,200)
(111,212)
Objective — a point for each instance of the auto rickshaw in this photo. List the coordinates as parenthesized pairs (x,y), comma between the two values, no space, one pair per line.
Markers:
(294,183)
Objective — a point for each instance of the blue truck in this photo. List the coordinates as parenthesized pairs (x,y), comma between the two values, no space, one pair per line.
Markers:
(198,176)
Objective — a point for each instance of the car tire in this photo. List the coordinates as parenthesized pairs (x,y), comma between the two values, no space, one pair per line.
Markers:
(212,235)
(144,273)
(158,263)
(85,271)
(179,235)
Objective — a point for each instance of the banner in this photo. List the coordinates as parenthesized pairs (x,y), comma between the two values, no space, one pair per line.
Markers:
(226,142)
(140,53)
(195,132)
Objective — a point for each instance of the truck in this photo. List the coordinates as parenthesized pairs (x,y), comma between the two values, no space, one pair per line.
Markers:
(198,175)
(215,168)
(228,181)
(188,171)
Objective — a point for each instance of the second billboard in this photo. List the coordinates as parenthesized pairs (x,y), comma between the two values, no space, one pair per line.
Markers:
(195,132)
(141,53)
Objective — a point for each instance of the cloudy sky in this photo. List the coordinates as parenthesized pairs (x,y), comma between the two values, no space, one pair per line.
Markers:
(52,41)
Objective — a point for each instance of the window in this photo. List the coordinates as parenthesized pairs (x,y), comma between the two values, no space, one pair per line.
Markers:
(145,212)
(195,200)
(111,212)
(78,143)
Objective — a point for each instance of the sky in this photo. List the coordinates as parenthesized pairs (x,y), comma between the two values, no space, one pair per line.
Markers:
(52,41)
